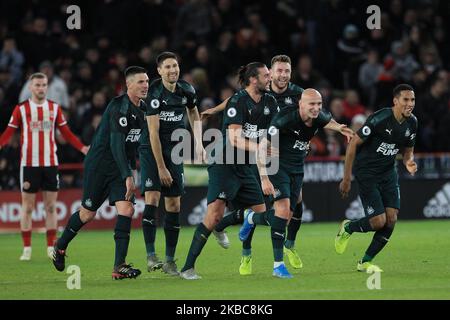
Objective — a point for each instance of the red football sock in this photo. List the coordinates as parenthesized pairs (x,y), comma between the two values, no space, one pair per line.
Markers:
(51,237)
(26,238)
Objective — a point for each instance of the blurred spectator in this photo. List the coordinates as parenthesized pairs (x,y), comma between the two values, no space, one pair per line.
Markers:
(429,58)
(213,38)
(404,62)
(443,133)
(430,109)
(37,43)
(9,91)
(385,84)
(350,49)
(195,16)
(201,83)
(305,76)
(352,106)
(11,59)
(357,122)
(338,112)
(368,76)
(335,143)
(89,130)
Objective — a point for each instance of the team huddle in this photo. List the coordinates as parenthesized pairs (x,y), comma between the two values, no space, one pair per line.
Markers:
(269,121)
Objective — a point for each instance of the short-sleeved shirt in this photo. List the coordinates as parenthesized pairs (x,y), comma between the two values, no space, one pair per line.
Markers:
(170,106)
(383,137)
(294,136)
(37,136)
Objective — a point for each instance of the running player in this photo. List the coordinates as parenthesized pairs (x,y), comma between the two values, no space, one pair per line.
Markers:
(287,95)
(373,150)
(247,116)
(295,127)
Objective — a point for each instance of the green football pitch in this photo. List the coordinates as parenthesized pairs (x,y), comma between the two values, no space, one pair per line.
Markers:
(416,265)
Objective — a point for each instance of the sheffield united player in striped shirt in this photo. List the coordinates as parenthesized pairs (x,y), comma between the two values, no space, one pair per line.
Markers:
(38,118)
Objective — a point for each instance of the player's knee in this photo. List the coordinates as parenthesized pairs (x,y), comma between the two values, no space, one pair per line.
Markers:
(391,220)
(152,198)
(216,217)
(214,214)
(212,218)
(283,213)
(27,209)
(127,211)
(50,208)
(86,215)
(172,204)
(173,207)
(378,222)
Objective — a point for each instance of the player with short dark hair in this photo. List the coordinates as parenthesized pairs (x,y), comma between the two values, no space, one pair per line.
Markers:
(38,119)
(373,152)
(169,99)
(108,172)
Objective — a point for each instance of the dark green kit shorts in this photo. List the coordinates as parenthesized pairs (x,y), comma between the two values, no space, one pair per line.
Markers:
(236,183)
(378,193)
(150,178)
(99,184)
(287,185)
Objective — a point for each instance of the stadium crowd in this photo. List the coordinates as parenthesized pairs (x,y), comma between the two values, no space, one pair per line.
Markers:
(329,43)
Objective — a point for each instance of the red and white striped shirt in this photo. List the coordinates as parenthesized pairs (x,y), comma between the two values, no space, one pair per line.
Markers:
(37,123)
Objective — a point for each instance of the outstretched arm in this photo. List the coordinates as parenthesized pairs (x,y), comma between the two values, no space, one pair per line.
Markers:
(220,107)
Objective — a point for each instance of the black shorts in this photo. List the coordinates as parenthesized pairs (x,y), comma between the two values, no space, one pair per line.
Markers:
(32,179)
(287,185)
(378,193)
(238,184)
(100,184)
(150,178)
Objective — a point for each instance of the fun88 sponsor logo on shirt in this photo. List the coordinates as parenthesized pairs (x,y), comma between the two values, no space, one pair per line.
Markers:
(251,131)
(170,116)
(387,149)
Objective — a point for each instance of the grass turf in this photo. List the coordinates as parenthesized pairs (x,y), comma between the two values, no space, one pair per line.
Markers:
(416,264)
